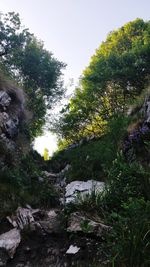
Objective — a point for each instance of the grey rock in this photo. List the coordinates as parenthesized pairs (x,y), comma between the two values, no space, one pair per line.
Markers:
(22,217)
(145,110)
(12,115)
(50,175)
(10,241)
(11,127)
(82,188)
(7,143)
(8,125)
(63,171)
(4,99)
(4,117)
(81,223)
(28,218)
(52,223)
(8,130)
(40,179)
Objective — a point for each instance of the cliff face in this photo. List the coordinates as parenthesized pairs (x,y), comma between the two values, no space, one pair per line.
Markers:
(146,110)
(11,117)
(136,143)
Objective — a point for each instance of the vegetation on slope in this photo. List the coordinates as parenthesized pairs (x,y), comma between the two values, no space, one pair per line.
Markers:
(26,64)
(117,73)
(114,146)
(24,59)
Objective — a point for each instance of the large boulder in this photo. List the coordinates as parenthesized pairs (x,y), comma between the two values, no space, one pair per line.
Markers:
(82,188)
(9,241)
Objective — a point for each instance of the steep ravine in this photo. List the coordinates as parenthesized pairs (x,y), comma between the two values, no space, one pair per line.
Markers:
(64,235)
(42,237)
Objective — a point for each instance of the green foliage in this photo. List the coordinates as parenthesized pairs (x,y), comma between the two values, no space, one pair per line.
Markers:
(25,184)
(130,238)
(124,205)
(92,159)
(117,73)
(126,181)
(92,204)
(85,226)
(86,161)
(25,60)
(121,58)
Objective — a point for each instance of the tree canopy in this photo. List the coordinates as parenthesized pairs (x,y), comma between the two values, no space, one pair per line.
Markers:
(24,59)
(117,73)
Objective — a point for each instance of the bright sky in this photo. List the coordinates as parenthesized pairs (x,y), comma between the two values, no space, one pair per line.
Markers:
(73,29)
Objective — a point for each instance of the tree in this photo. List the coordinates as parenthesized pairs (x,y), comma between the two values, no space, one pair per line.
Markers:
(117,73)
(24,59)
(122,58)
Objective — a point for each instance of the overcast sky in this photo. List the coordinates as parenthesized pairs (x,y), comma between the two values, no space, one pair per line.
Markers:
(73,29)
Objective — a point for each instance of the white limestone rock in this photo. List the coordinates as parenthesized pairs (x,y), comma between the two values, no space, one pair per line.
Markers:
(10,241)
(72,250)
(22,217)
(80,187)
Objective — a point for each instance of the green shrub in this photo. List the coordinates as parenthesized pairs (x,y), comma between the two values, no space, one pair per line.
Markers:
(92,203)
(124,181)
(93,158)
(21,185)
(130,238)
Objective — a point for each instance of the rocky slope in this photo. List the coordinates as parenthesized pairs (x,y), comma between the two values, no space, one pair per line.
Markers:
(12,114)
(63,236)
(40,237)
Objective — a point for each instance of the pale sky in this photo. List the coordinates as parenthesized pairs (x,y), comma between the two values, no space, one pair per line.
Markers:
(73,29)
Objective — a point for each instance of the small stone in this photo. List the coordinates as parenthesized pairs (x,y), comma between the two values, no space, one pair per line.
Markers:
(72,250)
